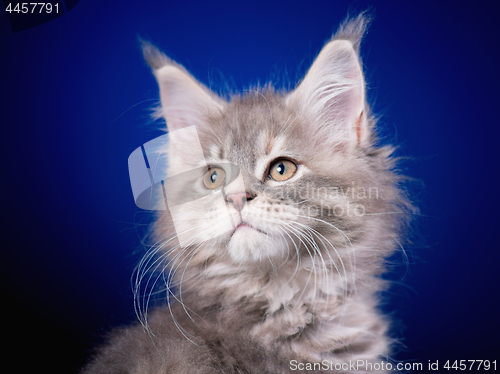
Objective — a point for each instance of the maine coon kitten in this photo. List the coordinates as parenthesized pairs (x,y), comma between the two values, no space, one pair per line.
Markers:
(286,218)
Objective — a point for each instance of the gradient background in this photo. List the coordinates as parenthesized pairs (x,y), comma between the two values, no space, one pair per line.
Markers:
(75,102)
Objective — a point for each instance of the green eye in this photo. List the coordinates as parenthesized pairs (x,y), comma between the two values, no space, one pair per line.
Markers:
(282,170)
(213,178)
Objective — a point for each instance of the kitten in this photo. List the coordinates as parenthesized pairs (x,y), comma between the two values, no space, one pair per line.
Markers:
(282,209)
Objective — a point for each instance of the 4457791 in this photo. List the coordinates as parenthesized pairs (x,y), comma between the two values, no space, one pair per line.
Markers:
(470,365)
(32,8)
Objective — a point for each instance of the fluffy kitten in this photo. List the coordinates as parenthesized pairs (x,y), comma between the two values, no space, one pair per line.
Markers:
(279,265)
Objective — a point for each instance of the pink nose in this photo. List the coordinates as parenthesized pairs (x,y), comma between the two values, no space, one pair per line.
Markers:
(238,199)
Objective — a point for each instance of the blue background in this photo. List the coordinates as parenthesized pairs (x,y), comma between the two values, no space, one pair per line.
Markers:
(76,99)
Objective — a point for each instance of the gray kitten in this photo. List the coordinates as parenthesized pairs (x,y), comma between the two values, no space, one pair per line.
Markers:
(282,209)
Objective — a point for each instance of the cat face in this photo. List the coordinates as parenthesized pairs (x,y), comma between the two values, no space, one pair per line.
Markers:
(269,176)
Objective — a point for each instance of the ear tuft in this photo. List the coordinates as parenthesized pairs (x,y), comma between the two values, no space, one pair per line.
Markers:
(153,56)
(353,29)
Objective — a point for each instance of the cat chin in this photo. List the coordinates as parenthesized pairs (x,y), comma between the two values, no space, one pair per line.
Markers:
(250,246)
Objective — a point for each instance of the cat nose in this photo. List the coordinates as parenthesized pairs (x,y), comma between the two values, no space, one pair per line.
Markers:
(238,199)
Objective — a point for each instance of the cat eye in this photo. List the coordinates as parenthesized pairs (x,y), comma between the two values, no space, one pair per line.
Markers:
(282,170)
(214,177)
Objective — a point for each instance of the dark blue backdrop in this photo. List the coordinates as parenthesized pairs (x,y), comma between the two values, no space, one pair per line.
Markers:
(76,99)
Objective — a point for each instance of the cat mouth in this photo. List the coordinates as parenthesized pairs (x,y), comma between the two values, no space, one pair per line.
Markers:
(245,226)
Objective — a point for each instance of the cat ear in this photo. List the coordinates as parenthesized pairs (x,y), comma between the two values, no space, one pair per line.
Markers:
(184,101)
(333,94)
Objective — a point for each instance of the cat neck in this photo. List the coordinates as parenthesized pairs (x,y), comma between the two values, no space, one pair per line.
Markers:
(315,313)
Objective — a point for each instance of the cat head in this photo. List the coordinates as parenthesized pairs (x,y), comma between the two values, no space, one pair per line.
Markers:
(259,178)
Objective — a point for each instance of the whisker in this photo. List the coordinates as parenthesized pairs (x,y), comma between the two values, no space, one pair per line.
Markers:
(333,263)
(150,264)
